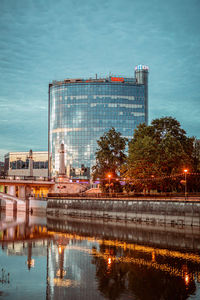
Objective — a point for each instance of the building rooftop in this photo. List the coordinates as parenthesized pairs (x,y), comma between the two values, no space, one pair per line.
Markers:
(110,79)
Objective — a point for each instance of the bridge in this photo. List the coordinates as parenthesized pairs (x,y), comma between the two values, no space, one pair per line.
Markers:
(15,193)
(11,203)
(23,189)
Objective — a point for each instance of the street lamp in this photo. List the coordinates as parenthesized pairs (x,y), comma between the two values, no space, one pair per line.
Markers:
(109,176)
(185,171)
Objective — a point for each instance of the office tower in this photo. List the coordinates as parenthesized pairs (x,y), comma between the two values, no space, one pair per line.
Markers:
(82,110)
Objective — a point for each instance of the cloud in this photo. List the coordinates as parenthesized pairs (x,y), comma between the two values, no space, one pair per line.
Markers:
(40,43)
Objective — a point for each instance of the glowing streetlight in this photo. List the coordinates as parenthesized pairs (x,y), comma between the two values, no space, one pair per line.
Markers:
(185,171)
(109,176)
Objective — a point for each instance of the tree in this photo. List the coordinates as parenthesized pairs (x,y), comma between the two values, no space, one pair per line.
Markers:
(159,150)
(109,156)
(193,180)
(196,156)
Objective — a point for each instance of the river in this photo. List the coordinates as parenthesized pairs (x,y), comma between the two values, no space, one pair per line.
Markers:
(46,258)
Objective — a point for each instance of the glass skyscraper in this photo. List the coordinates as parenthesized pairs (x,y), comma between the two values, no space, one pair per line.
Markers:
(82,110)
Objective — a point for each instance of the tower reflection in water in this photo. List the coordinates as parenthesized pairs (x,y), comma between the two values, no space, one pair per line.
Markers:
(88,266)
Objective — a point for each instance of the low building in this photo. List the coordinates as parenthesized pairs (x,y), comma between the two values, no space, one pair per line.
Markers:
(1,168)
(24,164)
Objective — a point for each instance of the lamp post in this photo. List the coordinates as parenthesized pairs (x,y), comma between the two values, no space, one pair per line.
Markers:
(109,176)
(185,171)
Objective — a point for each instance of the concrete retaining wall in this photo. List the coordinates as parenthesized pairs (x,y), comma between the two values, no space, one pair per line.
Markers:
(165,212)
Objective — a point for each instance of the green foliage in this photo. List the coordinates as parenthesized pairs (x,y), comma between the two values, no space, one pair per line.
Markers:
(196,155)
(161,149)
(109,156)
(113,187)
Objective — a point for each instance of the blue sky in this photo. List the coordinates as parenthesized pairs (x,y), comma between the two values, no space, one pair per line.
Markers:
(43,40)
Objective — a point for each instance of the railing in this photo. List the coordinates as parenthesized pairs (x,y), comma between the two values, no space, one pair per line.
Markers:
(33,178)
(138,196)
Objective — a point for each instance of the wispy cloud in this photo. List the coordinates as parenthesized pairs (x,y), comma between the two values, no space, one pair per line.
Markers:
(46,40)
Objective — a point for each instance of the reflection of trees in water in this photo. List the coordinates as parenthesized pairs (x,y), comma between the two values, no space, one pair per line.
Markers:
(153,284)
(111,277)
(117,278)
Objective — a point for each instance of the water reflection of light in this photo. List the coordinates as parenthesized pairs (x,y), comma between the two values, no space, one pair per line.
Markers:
(31,263)
(139,261)
(65,282)
(60,273)
(187,279)
(60,249)
(142,262)
(153,256)
(109,261)
(147,249)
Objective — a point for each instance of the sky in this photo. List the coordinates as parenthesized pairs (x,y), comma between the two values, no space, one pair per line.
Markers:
(46,40)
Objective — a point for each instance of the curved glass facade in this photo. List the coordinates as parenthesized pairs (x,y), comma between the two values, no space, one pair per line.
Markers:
(80,111)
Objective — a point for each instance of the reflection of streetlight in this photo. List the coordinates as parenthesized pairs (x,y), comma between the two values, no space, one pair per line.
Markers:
(186,279)
(109,176)
(185,171)
(30,263)
(60,273)
(153,255)
(109,261)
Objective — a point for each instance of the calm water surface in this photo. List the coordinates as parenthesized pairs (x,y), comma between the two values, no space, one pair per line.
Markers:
(79,259)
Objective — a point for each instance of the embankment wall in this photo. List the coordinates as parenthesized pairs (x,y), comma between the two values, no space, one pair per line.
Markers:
(183,213)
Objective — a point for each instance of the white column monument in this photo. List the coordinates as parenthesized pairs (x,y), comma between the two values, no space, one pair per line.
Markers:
(30,157)
(62,160)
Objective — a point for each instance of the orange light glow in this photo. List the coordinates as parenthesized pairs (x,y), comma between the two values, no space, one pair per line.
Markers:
(60,273)
(109,261)
(121,79)
(185,170)
(60,249)
(31,263)
(153,256)
(109,175)
(187,279)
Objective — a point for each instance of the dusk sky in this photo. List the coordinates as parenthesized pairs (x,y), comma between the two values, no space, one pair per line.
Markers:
(45,40)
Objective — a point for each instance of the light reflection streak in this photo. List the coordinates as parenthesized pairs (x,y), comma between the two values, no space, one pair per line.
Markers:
(60,130)
(153,256)
(138,261)
(61,273)
(150,264)
(60,249)
(65,282)
(31,263)
(187,279)
(147,249)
